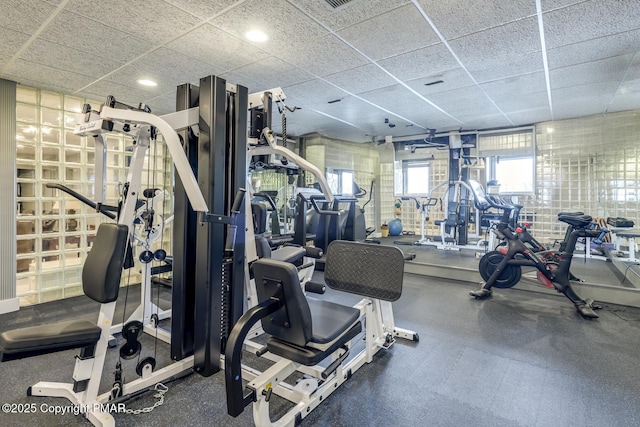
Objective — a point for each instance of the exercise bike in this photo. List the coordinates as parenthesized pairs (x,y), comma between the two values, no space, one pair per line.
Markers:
(504,270)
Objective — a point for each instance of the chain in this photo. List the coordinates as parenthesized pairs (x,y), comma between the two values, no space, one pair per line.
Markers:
(161,390)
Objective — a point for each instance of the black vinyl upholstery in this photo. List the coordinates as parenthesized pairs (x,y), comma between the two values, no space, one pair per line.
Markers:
(300,322)
(292,323)
(43,339)
(103,266)
(100,281)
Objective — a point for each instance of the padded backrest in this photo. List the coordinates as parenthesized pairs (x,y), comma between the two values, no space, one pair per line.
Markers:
(292,322)
(263,250)
(259,211)
(371,270)
(103,266)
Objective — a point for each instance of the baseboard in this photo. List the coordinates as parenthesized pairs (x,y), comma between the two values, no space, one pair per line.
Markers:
(9,305)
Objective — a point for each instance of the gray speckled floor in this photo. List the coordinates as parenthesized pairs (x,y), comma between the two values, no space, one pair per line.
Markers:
(517,359)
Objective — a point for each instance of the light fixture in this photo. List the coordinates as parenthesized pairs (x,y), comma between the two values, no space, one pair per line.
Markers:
(145,82)
(256,36)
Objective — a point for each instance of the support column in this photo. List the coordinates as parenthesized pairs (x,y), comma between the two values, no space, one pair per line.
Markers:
(8,299)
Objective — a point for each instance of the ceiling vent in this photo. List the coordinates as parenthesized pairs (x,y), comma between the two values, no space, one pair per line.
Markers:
(337,3)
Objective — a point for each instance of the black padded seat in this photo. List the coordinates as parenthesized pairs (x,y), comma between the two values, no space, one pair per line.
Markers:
(288,253)
(329,320)
(100,282)
(580,221)
(570,214)
(43,339)
(309,356)
(303,330)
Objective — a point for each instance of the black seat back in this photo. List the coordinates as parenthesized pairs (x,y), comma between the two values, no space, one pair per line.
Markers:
(277,279)
(103,266)
(259,212)
(366,269)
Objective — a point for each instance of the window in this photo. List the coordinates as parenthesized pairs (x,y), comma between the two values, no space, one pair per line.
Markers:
(412,177)
(514,174)
(510,159)
(340,181)
(416,178)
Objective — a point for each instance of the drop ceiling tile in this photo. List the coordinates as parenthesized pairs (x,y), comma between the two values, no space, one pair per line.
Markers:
(163,104)
(465,102)
(156,21)
(285,25)
(514,87)
(25,16)
(326,55)
(459,18)
(12,42)
(63,57)
(169,63)
(530,116)
(379,37)
(548,5)
(21,80)
(594,49)
(237,78)
(352,13)
(429,61)
(313,92)
(524,102)
(273,72)
(627,96)
(634,68)
(203,9)
(486,121)
(130,74)
(604,70)
(129,95)
(451,79)
(213,46)
(71,30)
(516,65)
(498,44)
(48,77)
(404,103)
(350,109)
(590,20)
(583,100)
(361,79)
(395,94)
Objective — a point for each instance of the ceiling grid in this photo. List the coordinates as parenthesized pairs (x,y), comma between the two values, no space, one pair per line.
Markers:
(498,63)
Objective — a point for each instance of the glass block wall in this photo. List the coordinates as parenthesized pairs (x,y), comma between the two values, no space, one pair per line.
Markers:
(363,159)
(54,230)
(589,164)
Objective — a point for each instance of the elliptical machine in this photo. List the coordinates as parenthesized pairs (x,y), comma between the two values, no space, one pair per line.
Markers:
(504,269)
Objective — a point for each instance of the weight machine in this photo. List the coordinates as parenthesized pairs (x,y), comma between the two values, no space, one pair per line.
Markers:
(216,129)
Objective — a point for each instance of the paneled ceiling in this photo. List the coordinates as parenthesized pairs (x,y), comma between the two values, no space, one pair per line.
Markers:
(497,63)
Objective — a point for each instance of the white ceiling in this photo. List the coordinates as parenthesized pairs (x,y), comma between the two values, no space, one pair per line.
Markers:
(502,62)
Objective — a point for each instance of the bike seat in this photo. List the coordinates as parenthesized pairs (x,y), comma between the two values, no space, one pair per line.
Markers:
(579,221)
(570,213)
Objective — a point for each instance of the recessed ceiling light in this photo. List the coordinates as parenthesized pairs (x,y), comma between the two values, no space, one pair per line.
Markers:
(145,82)
(256,36)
